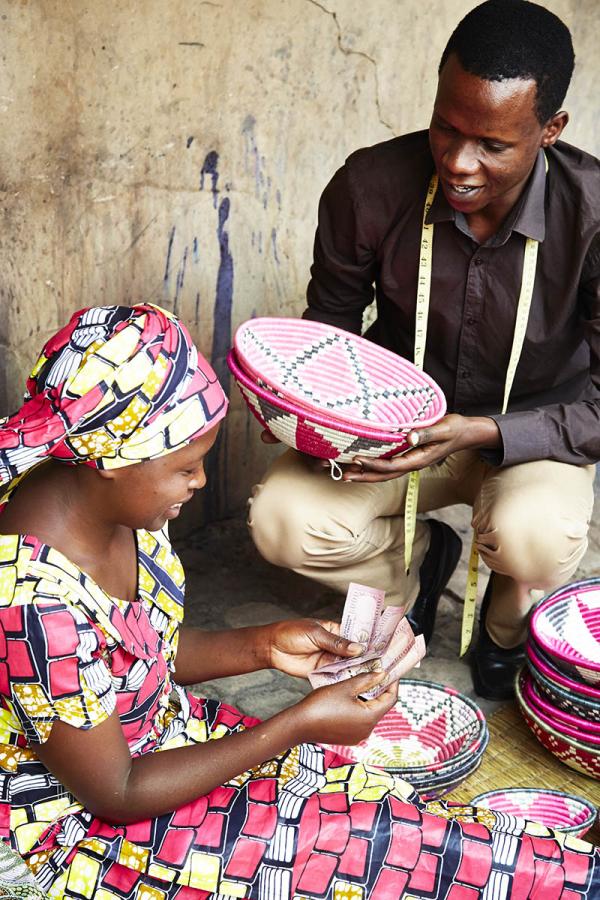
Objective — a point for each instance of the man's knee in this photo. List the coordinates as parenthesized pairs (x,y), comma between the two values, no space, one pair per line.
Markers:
(536,545)
(275,526)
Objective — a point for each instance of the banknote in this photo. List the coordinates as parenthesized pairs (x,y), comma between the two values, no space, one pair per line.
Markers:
(362,609)
(386,635)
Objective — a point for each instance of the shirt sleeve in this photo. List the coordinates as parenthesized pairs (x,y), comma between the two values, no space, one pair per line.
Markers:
(343,270)
(566,432)
(51,668)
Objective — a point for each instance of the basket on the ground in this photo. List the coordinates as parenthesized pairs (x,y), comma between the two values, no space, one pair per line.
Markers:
(330,393)
(575,753)
(566,625)
(554,809)
(433,737)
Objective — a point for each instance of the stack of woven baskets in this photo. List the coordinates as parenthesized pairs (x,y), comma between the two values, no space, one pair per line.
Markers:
(433,738)
(329,393)
(559,689)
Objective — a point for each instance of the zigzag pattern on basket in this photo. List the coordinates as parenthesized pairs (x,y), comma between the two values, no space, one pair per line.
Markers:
(358,391)
(317,440)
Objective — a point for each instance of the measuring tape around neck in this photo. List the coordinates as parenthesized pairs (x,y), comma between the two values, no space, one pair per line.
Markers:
(422,312)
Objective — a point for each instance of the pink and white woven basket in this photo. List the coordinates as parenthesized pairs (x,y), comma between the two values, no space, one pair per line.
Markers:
(329,393)
(309,431)
(554,809)
(433,737)
(573,753)
(337,373)
(566,625)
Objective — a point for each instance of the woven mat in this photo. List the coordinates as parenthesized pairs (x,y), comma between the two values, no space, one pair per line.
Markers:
(514,758)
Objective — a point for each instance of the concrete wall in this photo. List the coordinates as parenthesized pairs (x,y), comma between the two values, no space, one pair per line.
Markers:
(175,150)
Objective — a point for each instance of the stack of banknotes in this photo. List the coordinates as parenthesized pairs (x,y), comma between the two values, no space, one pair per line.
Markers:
(384,632)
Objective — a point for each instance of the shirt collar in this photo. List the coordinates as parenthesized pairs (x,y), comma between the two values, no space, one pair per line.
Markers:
(528,216)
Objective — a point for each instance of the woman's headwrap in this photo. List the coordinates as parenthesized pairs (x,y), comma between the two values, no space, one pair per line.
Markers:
(115,386)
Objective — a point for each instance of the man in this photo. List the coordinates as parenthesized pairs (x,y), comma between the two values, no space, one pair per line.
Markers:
(515,219)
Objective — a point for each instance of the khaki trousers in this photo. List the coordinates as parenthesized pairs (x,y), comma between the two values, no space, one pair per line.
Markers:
(530,520)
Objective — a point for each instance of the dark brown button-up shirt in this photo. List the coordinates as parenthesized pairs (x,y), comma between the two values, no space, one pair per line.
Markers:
(369,233)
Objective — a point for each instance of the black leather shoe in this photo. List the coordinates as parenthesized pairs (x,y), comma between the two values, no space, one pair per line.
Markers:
(494,668)
(436,570)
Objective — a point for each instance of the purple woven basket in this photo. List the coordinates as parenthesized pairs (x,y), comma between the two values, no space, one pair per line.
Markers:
(554,809)
(566,624)
(331,372)
(309,432)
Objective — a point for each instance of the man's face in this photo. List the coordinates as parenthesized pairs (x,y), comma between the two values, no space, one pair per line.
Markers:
(484,137)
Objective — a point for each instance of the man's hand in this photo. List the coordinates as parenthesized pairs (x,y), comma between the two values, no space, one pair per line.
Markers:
(301,645)
(429,446)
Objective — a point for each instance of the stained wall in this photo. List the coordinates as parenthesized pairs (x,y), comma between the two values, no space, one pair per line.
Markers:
(175,150)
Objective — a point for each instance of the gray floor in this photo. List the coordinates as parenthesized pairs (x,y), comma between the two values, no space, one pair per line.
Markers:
(229,585)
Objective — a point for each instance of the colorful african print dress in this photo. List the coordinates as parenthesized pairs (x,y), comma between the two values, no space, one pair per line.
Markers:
(304,825)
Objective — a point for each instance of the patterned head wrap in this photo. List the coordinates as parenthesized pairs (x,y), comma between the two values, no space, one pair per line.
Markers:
(115,386)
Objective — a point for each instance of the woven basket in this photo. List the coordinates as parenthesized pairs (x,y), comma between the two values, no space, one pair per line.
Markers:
(309,432)
(566,624)
(433,737)
(565,700)
(567,723)
(333,372)
(544,665)
(568,750)
(554,809)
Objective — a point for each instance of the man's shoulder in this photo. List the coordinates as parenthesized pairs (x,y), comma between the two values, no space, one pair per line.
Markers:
(401,161)
(578,173)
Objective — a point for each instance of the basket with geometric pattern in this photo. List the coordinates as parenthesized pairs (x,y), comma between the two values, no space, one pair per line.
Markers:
(554,809)
(433,737)
(566,625)
(572,752)
(330,393)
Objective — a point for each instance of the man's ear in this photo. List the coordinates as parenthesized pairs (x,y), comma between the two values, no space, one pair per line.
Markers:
(554,127)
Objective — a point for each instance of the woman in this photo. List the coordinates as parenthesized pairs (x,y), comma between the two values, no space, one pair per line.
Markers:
(116,782)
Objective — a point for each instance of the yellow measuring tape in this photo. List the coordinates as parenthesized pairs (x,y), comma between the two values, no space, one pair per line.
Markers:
(422,313)
(423,293)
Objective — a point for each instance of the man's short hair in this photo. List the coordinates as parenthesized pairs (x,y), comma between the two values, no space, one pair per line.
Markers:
(516,39)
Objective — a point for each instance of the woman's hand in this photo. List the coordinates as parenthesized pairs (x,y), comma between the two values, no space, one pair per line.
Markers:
(298,646)
(429,446)
(336,715)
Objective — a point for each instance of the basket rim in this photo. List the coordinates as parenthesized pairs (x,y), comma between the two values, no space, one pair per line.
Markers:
(579,688)
(293,323)
(545,684)
(563,596)
(573,742)
(563,795)
(441,768)
(537,705)
(318,419)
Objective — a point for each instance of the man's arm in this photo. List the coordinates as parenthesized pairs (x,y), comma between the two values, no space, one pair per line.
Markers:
(343,271)
(566,432)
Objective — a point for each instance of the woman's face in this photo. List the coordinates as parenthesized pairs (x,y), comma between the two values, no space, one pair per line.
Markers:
(148,494)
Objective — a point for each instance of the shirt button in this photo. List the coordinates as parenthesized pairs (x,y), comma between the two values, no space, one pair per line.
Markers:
(470,320)
(465,373)
(478,261)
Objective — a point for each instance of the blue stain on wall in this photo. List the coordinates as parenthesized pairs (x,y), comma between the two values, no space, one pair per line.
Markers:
(168,263)
(274,244)
(179,281)
(210,167)
(217,494)
(223,300)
